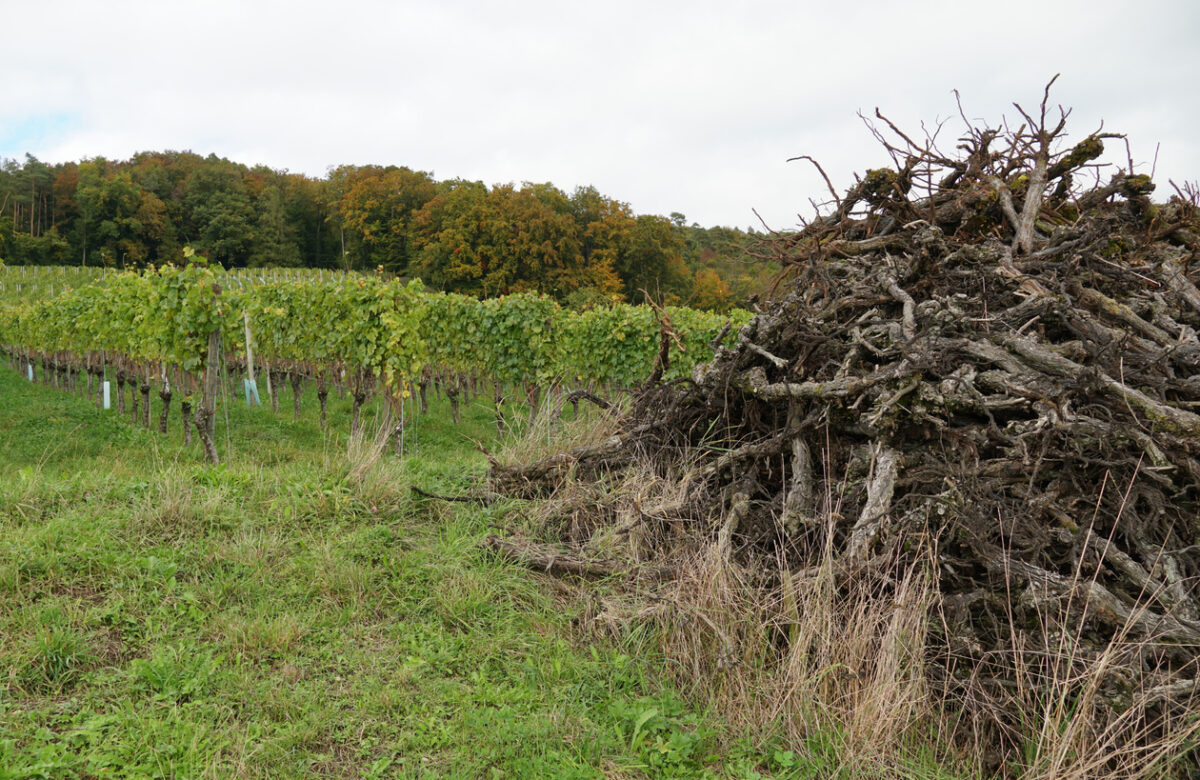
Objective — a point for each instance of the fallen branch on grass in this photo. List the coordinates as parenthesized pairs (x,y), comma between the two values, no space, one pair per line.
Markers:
(555,559)
(487,499)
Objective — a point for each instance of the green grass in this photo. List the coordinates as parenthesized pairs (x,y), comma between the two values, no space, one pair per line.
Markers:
(276,617)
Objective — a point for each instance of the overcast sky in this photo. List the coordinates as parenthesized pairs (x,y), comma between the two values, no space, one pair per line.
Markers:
(670,106)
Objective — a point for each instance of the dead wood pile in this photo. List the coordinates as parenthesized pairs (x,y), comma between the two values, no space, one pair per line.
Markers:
(990,355)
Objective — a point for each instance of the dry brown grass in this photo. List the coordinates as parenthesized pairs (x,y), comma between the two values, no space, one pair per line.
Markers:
(1079,716)
(366,447)
(551,433)
(803,659)
(800,657)
(816,657)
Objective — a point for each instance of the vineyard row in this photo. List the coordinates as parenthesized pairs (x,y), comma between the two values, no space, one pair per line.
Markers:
(172,328)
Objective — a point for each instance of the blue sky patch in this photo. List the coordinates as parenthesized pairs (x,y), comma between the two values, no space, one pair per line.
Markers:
(34,134)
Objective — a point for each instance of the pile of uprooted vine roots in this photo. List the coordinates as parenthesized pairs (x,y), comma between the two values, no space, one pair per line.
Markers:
(992,356)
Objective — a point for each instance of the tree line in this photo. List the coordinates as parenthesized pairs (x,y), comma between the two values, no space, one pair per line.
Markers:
(456,235)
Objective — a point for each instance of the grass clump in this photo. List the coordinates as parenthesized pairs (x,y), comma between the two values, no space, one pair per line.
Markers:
(55,659)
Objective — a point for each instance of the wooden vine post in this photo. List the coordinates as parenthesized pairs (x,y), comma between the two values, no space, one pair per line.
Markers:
(206,414)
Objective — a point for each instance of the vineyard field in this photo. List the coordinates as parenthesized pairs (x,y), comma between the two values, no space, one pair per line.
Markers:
(176,332)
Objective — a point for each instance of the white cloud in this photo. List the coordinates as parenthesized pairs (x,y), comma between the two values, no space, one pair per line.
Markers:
(690,107)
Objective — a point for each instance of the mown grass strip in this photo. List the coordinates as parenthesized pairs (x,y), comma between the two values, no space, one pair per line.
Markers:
(273,617)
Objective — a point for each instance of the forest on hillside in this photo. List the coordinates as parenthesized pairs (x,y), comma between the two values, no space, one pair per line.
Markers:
(456,235)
